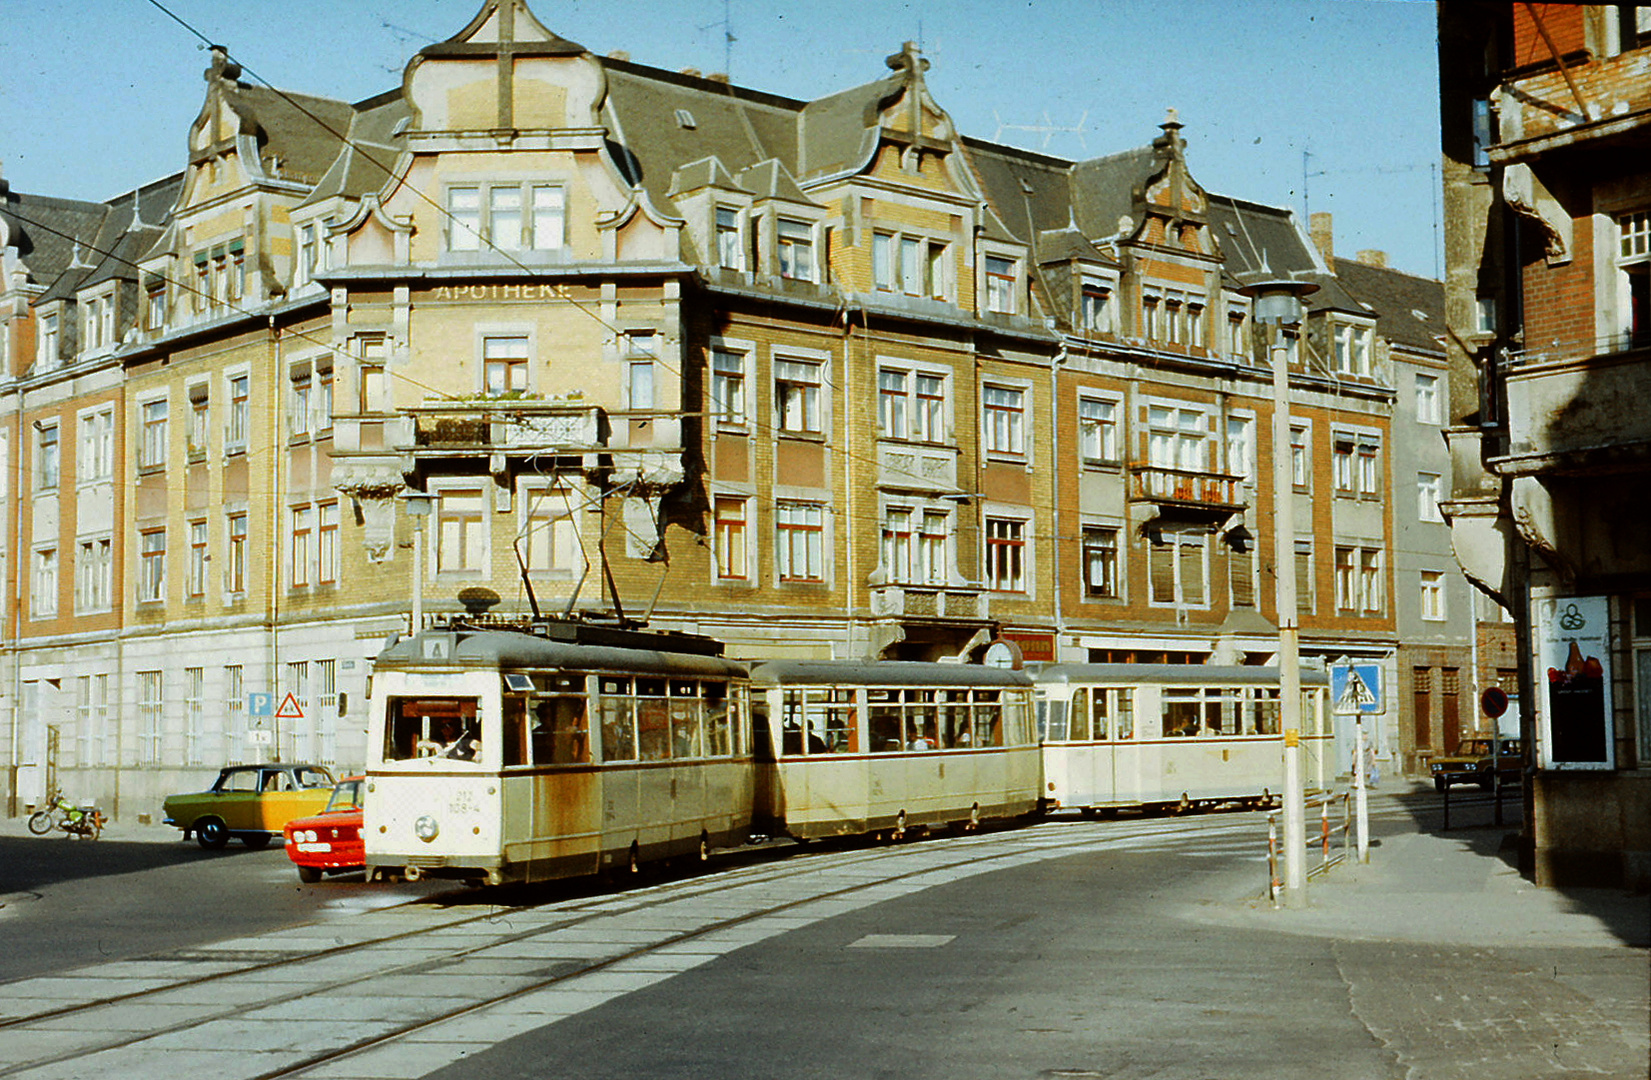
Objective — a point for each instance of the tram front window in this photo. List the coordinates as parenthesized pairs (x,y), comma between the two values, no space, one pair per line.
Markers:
(432,727)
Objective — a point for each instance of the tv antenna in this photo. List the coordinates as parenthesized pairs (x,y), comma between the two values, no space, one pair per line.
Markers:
(1049,128)
(728,39)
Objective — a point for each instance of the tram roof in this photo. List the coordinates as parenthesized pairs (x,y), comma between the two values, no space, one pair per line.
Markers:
(1173,674)
(509,649)
(882,673)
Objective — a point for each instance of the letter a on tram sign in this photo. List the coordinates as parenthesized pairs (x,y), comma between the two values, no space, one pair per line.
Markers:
(290,709)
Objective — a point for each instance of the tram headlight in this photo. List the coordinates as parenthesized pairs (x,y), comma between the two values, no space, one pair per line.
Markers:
(426,829)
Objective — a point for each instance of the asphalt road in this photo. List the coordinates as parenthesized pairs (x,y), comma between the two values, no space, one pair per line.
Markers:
(68,903)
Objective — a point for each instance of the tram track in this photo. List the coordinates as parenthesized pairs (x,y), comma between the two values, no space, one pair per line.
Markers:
(746,896)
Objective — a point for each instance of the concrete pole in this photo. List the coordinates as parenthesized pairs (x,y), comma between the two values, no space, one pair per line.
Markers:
(1289,646)
(1361,800)
(418,573)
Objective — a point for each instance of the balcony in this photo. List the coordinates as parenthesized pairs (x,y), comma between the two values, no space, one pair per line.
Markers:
(928,602)
(1572,410)
(1185,495)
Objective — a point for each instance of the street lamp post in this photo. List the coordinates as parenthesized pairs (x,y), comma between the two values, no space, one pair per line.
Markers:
(418,507)
(1277,304)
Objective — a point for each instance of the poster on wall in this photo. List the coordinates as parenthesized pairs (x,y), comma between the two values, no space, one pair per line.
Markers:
(1573,677)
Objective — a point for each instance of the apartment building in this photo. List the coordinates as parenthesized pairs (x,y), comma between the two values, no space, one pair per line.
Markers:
(551,332)
(1546,126)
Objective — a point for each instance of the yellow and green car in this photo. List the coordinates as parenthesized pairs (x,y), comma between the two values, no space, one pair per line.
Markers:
(251,803)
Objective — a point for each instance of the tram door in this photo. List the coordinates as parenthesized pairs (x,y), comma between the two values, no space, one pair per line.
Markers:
(1090,735)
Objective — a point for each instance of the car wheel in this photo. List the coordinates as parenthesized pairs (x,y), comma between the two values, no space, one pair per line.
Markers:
(256,841)
(211,834)
(1438,783)
(309,875)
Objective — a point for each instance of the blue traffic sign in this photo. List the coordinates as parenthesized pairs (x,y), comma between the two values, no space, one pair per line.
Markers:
(259,704)
(1356,688)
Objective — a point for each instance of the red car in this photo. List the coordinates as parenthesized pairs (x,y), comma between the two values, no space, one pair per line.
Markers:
(330,842)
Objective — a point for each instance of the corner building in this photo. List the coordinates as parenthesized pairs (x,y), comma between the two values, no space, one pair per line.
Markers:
(1546,133)
(546,330)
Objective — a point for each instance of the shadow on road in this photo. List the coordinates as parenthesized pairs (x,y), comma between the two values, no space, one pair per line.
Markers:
(30,863)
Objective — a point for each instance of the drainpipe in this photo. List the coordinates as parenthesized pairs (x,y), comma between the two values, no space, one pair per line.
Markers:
(272,605)
(1061,357)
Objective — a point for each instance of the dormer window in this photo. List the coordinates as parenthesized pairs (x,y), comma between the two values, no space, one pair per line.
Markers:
(1352,349)
(914,265)
(1095,311)
(728,244)
(1001,278)
(50,343)
(506,217)
(795,241)
(154,291)
(99,323)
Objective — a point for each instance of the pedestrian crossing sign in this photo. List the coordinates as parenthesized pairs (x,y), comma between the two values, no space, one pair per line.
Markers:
(1356,688)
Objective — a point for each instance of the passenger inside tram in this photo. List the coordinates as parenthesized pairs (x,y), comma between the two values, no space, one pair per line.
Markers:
(425,727)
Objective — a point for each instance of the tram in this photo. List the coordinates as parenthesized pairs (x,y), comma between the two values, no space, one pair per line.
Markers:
(1162,736)
(499,755)
(889,746)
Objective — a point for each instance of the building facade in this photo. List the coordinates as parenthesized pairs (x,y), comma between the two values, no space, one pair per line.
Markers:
(542,331)
(1547,127)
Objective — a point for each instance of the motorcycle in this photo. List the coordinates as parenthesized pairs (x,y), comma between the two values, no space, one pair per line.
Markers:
(81,822)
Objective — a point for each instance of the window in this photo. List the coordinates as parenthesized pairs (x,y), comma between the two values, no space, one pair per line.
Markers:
(729,247)
(1352,349)
(200,422)
(99,323)
(323,400)
(194,715)
(94,574)
(797,396)
(1178,570)
(914,265)
(1175,438)
(911,405)
(326,551)
(154,290)
(551,532)
(1342,464)
(1359,580)
(43,589)
(728,387)
(796,249)
(1001,277)
(152,434)
(461,530)
(915,545)
(493,216)
(1371,593)
(302,545)
(1100,562)
(1433,594)
(1004,410)
(235,429)
(235,560)
(46,456)
(1306,592)
(1098,430)
(730,533)
(150,706)
(1634,275)
(1300,461)
(1238,332)
(151,565)
(1428,490)
(1370,476)
(196,581)
(299,404)
(1241,446)
(799,541)
(1095,308)
(504,364)
(312,250)
(1427,398)
(50,344)
(641,384)
(1006,555)
(234,708)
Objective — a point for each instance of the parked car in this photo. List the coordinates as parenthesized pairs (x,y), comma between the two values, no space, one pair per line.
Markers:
(330,842)
(251,803)
(1471,764)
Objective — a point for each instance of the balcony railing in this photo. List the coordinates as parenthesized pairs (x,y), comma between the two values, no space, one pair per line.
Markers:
(929,601)
(1580,348)
(1185,487)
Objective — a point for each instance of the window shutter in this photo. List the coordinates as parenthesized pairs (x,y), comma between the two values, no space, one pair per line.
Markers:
(1241,572)
(1193,585)
(1161,567)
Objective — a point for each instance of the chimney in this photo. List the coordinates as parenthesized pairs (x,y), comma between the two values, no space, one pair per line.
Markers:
(692,72)
(619,54)
(718,77)
(1373,257)
(1320,229)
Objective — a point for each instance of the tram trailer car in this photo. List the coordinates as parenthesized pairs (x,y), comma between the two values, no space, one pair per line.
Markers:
(504,756)
(1165,736)
(887,746)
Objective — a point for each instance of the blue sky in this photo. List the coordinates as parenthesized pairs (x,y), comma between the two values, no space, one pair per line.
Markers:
(1331,103)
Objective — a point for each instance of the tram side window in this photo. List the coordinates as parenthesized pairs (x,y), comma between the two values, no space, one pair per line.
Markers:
(956,728)
(1098,716)
(431,727)
(1078,724)
(515,731)
(1266,712)
(1017,718)
(618,721)
(1180,713)
(1055,726)
(920,720)
(717,719)
(883,721)
(653,736)
(685,719)
(561,730)
(988,719)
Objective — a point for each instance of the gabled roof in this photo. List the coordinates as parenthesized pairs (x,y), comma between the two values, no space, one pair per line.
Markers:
(1397,298)
(375,143)
(44,230)
(838,133)
(299,132)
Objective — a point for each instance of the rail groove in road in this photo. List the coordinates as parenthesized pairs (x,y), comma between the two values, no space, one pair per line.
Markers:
(305,1000)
